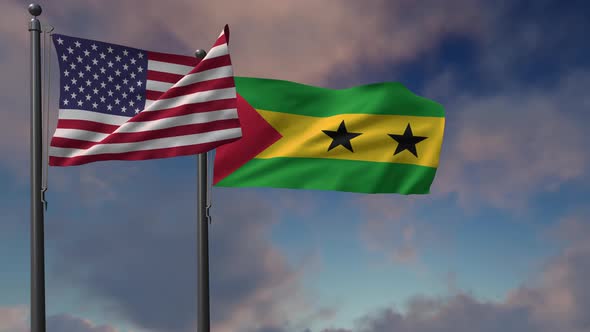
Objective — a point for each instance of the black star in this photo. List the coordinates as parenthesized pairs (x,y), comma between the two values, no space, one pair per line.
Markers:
(407,141)
(341,137)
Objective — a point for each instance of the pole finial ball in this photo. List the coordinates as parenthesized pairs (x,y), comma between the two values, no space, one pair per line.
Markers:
(200,54)
(35,9)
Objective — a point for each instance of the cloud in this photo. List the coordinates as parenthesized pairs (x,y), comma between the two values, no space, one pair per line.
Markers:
(389,227)
(142,267)
(502,149)
(311,41)
(16,319)
(557,299)
(69,323)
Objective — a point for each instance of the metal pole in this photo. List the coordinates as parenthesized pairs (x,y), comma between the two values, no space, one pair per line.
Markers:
(202,238)
(37,236)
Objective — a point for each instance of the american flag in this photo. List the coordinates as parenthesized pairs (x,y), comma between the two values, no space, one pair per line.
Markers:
(123,103)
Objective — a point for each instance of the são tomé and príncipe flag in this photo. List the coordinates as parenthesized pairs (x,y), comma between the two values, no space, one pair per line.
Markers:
(377,138)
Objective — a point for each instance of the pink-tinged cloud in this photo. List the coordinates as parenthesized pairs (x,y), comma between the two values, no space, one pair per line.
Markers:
(16,319)
(389,227)
(505,148)
(556,299)
(304,40)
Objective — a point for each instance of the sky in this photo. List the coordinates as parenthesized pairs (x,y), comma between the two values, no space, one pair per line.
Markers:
(499,244)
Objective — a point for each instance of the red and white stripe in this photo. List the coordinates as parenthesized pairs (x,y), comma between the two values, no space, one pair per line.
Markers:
(191,108)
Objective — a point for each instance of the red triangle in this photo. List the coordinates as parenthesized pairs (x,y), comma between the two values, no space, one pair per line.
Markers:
(257,135)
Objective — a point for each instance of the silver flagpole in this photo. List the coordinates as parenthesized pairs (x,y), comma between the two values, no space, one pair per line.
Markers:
(37,233)
(203,316)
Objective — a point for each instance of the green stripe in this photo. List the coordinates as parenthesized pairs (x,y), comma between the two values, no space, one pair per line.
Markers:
(330,174)
(288,97)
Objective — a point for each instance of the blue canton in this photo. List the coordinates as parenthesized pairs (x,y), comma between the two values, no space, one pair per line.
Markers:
(101,77)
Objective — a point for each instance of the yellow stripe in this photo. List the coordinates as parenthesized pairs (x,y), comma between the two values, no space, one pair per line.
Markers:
(303,137)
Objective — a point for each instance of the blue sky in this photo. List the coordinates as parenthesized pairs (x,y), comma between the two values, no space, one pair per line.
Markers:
(498,245)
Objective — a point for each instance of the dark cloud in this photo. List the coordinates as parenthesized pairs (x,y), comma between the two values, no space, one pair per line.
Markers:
(16,319)
(138,258)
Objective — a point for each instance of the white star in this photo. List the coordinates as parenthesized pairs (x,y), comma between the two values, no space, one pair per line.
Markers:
(140,55)
(103,85)
(86,53)
(95,76)
(125,67)
(125,81)
(74,81)
(77,43)
(138,97)
(87,97)
(66,102)
(102,55)
(60,41)
(125,53)
(131,89)
(124,109)
(133,61)
(94,47)
(95,90)
(94,62)
(109,107)
(140,69)
(80,103)
(132,75)
(124,95)
(81,74)
(81,89)
(66,88)
(66,73)
(87,68)
(117,87)
(64,57)
(136,110)
(139,83)
(110,49)
(117,101)
(94,105)
(102,99)
(73,95)
(110,64)
(118,58)
(88,82)
(73,66)
(110,93)
(102,70)
(132,103)
(70,50)
(110,78)
(117,72)
(79,58)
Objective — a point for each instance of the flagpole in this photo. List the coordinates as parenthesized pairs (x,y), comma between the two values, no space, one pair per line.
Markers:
(203,316)
(37,234)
